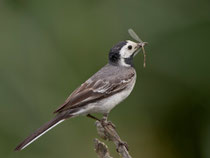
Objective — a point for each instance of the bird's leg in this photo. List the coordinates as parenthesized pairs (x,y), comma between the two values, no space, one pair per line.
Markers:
(105,121)
(93,117)
(105,117)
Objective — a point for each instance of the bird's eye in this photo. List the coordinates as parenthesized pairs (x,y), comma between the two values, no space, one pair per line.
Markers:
(129,47)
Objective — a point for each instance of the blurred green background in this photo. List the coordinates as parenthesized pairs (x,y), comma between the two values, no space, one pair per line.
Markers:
(49,47)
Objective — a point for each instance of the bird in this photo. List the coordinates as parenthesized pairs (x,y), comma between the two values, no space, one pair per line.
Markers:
(104,90)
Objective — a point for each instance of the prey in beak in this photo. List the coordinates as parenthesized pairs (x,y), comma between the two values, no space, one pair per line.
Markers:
(140,45)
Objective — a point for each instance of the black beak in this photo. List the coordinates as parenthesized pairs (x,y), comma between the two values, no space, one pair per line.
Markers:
(142,44)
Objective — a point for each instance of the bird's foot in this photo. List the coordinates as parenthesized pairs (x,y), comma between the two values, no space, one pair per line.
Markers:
(105,122)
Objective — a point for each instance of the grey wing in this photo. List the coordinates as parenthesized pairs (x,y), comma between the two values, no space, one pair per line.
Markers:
(91,91)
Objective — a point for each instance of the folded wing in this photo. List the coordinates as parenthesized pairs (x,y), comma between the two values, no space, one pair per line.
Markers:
(91,91)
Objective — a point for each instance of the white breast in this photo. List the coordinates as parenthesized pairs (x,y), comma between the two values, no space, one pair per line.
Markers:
(107,104)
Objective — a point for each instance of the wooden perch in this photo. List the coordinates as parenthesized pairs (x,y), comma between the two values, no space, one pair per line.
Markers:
(101,149)
(107,132)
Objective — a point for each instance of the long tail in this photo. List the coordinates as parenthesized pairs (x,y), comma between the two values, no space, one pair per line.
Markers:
(39,132)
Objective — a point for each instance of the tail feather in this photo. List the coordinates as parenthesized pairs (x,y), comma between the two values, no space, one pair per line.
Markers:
(39,132)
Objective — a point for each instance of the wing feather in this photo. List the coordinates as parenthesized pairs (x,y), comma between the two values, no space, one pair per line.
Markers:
(91,91)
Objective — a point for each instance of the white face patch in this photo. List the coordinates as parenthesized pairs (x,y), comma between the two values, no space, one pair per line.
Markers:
(127,51)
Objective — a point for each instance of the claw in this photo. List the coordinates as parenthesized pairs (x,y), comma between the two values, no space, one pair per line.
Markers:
(105,123)
(111,124)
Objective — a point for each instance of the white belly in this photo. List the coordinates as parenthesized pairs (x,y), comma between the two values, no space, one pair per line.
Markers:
(107,104)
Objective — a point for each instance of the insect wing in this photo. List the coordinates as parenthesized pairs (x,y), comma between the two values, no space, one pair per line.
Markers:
(134,35)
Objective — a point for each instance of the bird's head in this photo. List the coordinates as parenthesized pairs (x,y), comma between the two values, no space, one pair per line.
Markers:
(123,52)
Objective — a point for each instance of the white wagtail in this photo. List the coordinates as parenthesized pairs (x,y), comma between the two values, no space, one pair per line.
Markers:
(100,93)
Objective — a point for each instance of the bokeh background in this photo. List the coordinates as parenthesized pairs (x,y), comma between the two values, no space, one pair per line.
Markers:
(49,47)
